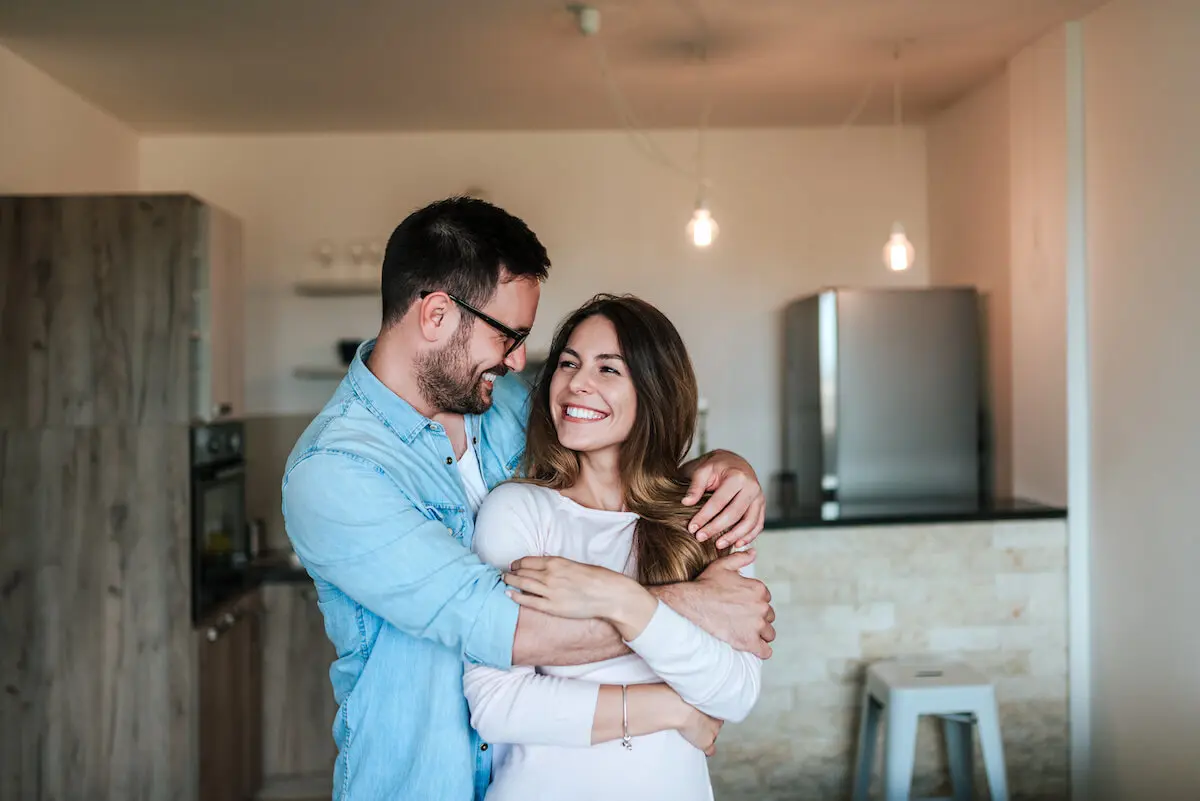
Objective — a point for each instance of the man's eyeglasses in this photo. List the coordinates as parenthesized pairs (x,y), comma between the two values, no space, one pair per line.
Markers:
(515,337)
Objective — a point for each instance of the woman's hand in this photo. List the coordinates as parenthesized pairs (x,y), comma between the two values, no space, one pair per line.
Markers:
(701,731)
(564,588)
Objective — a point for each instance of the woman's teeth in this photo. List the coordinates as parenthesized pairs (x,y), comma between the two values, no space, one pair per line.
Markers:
(584,414)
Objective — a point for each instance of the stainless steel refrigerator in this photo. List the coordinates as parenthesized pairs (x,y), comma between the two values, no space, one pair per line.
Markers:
(882,396)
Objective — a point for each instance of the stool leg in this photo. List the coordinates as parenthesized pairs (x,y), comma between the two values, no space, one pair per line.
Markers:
(900,751)
(960,749)
(993,751)
(868,728)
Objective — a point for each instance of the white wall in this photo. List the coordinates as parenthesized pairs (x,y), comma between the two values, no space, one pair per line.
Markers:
(52,140)
(798,209)
(1037,140)
(1142,69)
(969,237)
(997,200)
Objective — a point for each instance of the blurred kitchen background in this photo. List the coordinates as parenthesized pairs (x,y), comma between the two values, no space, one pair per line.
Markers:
(933,260)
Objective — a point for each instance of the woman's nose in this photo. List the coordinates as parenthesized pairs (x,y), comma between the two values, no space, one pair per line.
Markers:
(579,382)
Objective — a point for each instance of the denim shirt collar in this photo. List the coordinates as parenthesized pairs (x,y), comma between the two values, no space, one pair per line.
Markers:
(391,409)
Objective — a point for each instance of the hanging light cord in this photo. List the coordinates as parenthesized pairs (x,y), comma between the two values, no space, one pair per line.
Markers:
(897,109)
(629,119)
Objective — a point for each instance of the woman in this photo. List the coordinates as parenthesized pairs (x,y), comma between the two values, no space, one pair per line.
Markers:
(612,418)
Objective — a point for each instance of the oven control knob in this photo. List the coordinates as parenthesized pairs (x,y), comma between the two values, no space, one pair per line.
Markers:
(235,443)
(214,445)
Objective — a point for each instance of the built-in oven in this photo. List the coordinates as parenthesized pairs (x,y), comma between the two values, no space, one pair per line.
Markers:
(220,546)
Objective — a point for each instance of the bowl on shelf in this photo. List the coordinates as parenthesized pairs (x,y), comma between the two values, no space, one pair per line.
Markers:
(346,349)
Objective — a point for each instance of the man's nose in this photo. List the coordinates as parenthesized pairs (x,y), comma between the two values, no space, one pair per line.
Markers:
(515,361)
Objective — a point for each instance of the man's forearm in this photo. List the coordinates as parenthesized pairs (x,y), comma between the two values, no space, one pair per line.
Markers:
(671,595)
(543,639)
(547,640)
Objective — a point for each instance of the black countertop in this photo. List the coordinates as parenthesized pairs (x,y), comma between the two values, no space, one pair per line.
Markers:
(278,567)
(281,567)
(933,510)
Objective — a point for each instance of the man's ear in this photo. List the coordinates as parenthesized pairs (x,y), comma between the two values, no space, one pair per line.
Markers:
(437,317)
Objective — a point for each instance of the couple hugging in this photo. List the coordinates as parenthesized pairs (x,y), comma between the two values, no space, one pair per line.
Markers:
(531,594)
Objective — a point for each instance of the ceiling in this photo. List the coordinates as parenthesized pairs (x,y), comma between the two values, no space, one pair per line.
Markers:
(226,66)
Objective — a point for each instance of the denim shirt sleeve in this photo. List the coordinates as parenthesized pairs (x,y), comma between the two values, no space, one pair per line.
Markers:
(354,527)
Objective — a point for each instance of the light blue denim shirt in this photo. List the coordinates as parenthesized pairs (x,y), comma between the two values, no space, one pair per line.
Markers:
(377,513)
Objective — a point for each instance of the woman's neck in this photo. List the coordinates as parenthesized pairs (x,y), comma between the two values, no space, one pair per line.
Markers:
(599,485)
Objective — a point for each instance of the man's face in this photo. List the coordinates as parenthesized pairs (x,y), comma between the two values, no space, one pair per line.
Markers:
(459,377)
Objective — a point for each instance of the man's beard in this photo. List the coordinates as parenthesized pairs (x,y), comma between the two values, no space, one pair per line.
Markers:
(449,382)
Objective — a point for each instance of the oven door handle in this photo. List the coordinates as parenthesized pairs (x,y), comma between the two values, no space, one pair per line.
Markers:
(222,473)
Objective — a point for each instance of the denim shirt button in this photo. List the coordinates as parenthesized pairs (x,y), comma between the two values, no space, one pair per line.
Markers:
(449,460)
(483,747)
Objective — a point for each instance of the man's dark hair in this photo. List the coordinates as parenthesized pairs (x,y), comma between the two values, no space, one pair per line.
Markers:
(458,245)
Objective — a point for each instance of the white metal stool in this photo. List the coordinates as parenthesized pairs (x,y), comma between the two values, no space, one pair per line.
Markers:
(961,696)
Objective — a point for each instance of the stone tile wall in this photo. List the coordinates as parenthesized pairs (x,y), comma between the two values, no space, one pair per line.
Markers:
(991,594)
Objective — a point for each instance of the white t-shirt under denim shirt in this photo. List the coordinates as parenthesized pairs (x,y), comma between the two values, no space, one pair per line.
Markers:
(545,715)
(472,475)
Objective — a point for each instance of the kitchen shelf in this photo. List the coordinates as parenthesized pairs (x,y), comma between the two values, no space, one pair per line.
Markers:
(341,288)
(320,372)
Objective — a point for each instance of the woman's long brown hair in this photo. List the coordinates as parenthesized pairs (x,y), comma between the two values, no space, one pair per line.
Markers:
(658,442)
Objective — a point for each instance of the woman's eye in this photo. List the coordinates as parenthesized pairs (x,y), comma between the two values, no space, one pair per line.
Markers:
(611,370)
(565,365)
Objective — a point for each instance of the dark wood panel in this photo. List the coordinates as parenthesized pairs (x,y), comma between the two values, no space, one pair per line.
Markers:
(96,303)
(22,708)
(98,672)
(230,663)
(298,705)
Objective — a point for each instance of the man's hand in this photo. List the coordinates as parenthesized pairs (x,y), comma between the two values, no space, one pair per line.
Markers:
(736,510)
(726,604)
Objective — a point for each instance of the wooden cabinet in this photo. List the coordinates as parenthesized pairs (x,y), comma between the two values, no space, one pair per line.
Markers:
(120,325)
(217,303)
(97,662)
(298,704)
(118,310)
(230,683)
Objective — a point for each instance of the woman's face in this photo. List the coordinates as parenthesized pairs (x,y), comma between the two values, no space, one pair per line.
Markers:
(592,398)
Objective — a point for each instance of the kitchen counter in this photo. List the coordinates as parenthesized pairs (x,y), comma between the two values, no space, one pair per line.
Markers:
(278,567)
(991,593)
(932,510)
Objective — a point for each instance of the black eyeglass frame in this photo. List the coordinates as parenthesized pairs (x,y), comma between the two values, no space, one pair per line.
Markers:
(517,337)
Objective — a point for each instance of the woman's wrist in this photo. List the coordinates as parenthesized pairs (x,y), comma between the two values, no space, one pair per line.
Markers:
(633,606)
(681,712)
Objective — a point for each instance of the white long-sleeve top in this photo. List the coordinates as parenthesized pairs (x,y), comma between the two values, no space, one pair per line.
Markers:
(539,720)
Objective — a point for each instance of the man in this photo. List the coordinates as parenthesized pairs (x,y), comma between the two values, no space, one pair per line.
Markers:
(380,493)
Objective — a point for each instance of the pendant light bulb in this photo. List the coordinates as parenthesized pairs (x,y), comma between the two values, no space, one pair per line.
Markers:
(702,228)
(898,253)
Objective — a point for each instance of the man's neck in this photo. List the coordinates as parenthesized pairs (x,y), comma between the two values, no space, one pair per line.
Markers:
(393,366)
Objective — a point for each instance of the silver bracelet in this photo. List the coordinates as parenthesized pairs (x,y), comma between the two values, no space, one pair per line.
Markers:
(625,739)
